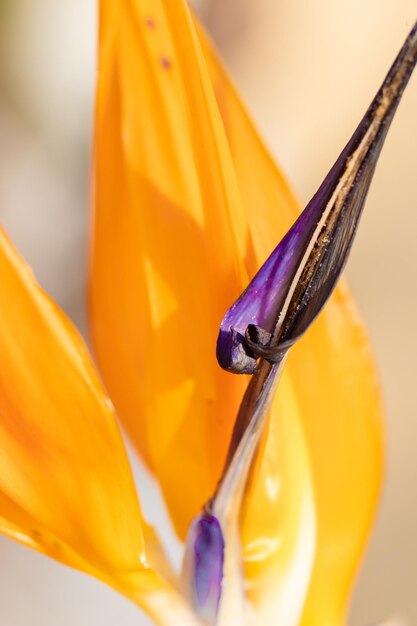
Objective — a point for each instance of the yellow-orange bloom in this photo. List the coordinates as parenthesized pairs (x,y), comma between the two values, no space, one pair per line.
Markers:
(187,205)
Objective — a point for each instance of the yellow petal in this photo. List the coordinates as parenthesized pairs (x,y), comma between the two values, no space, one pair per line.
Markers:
(65,483)
(333,374)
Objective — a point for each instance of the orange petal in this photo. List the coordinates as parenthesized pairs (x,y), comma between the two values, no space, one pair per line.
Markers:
(65,483)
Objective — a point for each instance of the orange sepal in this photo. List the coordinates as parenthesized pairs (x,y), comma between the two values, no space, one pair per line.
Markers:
(65,483)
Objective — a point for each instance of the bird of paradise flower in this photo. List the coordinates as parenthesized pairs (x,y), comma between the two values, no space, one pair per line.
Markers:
(187,206)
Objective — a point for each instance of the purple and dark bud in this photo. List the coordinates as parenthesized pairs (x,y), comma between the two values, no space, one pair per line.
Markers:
(294,283)
(203,566)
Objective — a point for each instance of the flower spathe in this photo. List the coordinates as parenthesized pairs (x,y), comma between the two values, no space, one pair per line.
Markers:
(187,205)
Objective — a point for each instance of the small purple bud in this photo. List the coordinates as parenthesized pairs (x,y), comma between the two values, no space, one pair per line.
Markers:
(203,566)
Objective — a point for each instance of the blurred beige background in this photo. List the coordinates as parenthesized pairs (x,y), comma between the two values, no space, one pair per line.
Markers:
(307,70)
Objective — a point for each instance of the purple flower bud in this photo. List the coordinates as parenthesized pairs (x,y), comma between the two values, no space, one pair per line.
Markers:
(294,283)
(203,566)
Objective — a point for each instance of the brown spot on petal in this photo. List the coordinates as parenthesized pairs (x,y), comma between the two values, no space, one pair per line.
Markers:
(150,22)
(166,62)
